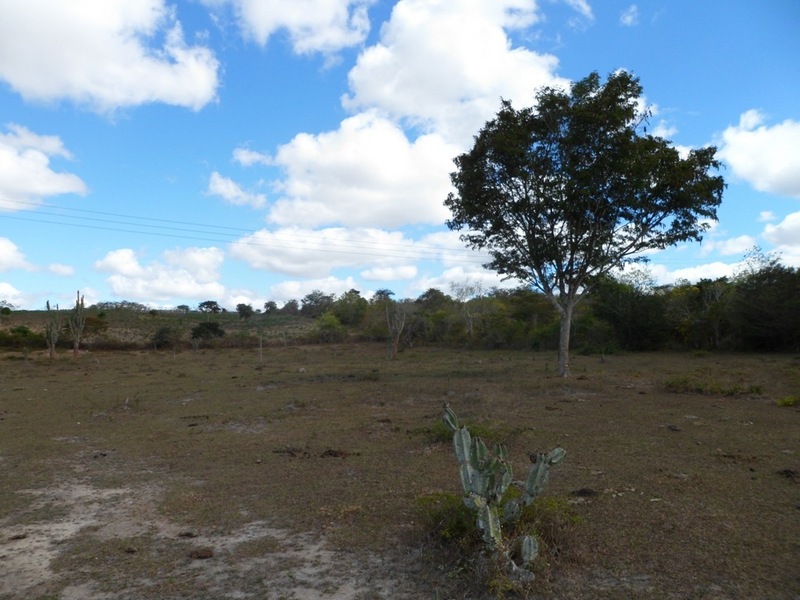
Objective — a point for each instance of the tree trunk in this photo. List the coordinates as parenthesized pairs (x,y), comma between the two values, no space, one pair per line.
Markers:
(563,340)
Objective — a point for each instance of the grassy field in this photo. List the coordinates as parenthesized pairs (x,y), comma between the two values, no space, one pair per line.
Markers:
(298,473)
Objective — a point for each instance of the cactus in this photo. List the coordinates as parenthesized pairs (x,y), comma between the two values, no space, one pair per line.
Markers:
(486,477)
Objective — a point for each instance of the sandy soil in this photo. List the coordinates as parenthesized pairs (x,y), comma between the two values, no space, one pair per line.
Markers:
(299,567)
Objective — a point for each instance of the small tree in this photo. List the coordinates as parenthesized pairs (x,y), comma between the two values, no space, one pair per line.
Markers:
(52,329)
(565,192)
(245,311)
(209,307)
(76,322)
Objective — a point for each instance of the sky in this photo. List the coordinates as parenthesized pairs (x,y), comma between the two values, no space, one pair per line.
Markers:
(169,152)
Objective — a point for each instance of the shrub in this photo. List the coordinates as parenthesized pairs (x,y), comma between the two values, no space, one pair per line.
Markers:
(207,330)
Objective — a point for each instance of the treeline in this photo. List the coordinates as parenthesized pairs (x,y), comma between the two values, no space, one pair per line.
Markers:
(758,310)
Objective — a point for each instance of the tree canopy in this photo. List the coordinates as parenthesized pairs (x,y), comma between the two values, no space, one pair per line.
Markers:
(566,191)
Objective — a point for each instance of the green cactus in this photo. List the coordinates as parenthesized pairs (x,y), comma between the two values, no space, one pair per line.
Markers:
(486,477)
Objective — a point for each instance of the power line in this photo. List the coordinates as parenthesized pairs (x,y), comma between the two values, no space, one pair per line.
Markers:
(224,234)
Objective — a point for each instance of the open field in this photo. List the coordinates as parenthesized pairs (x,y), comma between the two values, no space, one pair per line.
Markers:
(214,474)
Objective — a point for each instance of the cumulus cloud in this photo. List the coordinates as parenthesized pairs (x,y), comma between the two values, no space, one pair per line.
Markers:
(366,172)
(232,192)
(26,175)
(312,25)
(106,54)
(786,237)
(444,66)
(248,158)
(185,273)
(767,157)
(11,294)
(11,257)
(729,247)
(296,290)
(315,253)
(390,273)
(629,16)
(714,270)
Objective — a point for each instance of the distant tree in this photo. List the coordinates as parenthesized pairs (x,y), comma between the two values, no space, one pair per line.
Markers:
(245,311)
(291,307)
(566,191)
(184,308)
(270,307)
(207,330)
(350,308)
(209,307)
(315,304)
(76,322)
(465,294)
(329,329)
(765,308)
(168,336)
(635,313)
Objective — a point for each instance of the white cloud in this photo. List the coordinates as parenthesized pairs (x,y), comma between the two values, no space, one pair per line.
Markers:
(315,253)
(312,25)
(365,173)
(715,270)
(630,16)
(186,273)
(25,172)
(12,295)
(445,65)
(248,158)
(61,270)
(737,245)
(786,233)
(584,10)
(766,216)
(296,290)
(11,257)
(232,192)
(767,157)
(390,273)
(103,53)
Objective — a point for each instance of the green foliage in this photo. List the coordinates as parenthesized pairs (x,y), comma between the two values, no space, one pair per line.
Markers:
(207,330)
(577,164)
(167,336)
(350,308)
(21,337)
(245,311)
(447,517)
(328,329)
(209,306)
(315,304)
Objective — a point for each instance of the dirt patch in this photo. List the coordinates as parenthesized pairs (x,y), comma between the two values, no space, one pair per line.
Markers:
(254,561)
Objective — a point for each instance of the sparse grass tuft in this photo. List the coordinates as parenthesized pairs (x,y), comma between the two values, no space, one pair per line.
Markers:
(791,400)
(687,385)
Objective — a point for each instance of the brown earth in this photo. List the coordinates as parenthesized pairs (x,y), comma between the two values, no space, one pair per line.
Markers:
(220,475)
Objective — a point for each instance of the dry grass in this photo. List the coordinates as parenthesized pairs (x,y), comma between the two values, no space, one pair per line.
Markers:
(696,493)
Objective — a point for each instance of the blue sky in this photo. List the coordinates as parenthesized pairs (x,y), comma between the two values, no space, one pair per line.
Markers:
(171,152)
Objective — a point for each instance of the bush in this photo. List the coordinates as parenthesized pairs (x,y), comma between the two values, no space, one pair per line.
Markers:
(207,330)
(328,329)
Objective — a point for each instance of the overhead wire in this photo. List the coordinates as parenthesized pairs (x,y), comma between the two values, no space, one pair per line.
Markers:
(225,234)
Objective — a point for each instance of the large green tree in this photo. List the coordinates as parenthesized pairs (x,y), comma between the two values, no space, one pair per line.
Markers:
(567,190)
